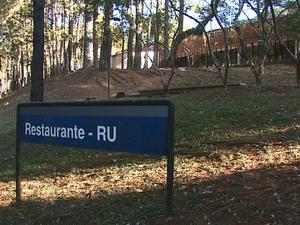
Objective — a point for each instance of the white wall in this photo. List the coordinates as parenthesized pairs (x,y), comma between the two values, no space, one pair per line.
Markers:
(116,60)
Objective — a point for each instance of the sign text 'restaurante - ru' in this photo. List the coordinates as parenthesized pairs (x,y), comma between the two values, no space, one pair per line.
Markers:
(104,133)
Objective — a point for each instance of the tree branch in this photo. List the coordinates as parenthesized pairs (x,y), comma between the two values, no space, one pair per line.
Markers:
(274,19)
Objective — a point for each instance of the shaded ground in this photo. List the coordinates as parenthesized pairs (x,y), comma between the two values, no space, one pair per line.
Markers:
(237,159)
(237,186)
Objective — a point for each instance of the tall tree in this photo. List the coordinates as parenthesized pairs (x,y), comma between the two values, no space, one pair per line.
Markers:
(95,36)
(130,36)
(166,33)
(64,50)
(55,17)
(88,35)
(205,16)
(242,56)
(106,46)
(69,65)
(138,34)
(37,82)
(123,36)
(292,29)
(220,16)
(264,32)
(181,16)
(156,34)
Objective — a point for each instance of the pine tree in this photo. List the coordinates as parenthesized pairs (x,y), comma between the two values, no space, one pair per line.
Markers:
(106,40)
(37,82)
(138,35)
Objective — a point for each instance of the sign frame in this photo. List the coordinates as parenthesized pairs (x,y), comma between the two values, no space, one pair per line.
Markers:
(170,136)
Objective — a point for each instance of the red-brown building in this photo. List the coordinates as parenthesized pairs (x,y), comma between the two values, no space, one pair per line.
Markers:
(193,51)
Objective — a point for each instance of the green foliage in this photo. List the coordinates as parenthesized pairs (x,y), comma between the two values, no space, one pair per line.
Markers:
(291,26)
(16,32)
(197,8)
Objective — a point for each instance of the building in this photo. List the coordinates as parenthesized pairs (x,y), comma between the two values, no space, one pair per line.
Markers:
(147,56)
(193,51)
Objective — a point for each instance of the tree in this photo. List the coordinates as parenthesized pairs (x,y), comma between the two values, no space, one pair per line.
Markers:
(156,34)
(123,27)
(106,39)
(95,36)
(37,82)
(130,20)
(181,15)
(88,35)
(205,16)
(264,32)
(220,12)
(70,38)
(293,29)
(166,33)
(138,34)
(223,24)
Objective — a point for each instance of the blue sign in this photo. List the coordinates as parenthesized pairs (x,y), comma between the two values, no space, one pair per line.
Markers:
(138,128)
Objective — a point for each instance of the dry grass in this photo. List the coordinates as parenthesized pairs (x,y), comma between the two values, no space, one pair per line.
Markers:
(237,162)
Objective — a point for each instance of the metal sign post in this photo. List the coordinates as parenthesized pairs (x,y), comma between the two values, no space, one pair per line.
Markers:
(137,127)
(18,169)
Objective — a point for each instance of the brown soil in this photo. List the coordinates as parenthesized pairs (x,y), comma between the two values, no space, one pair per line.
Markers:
(92,84)
(238,181)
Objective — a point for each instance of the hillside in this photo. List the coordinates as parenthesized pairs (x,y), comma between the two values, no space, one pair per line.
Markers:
(237,157)
(90,83)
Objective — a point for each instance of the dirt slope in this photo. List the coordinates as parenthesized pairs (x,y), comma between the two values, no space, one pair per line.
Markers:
(90,83)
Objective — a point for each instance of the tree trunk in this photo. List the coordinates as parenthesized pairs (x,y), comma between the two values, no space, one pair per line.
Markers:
(53,42)
(14,79)
(129,16)
(95,38)
(243,47)
(88,36)
(130,38)
(37,82)
(28,69)
(298,69)
(123,39)
(156,36)
(138,37)
(70,38)
(62,52)
(65,40)
(181,10)
(61,56)
(56,31)
(22,64)
(257,68)
(166,34)
(130,49)
(106,41)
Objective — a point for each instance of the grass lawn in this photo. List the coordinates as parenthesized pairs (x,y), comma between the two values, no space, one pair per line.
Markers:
(237,162)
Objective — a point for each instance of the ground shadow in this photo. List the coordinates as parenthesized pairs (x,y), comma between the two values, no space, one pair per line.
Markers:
(269,195)
(44,160)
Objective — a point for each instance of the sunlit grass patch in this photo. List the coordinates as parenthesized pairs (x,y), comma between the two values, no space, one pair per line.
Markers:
(237,158)
(226,117)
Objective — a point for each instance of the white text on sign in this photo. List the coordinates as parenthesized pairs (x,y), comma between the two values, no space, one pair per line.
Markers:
(104,133)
